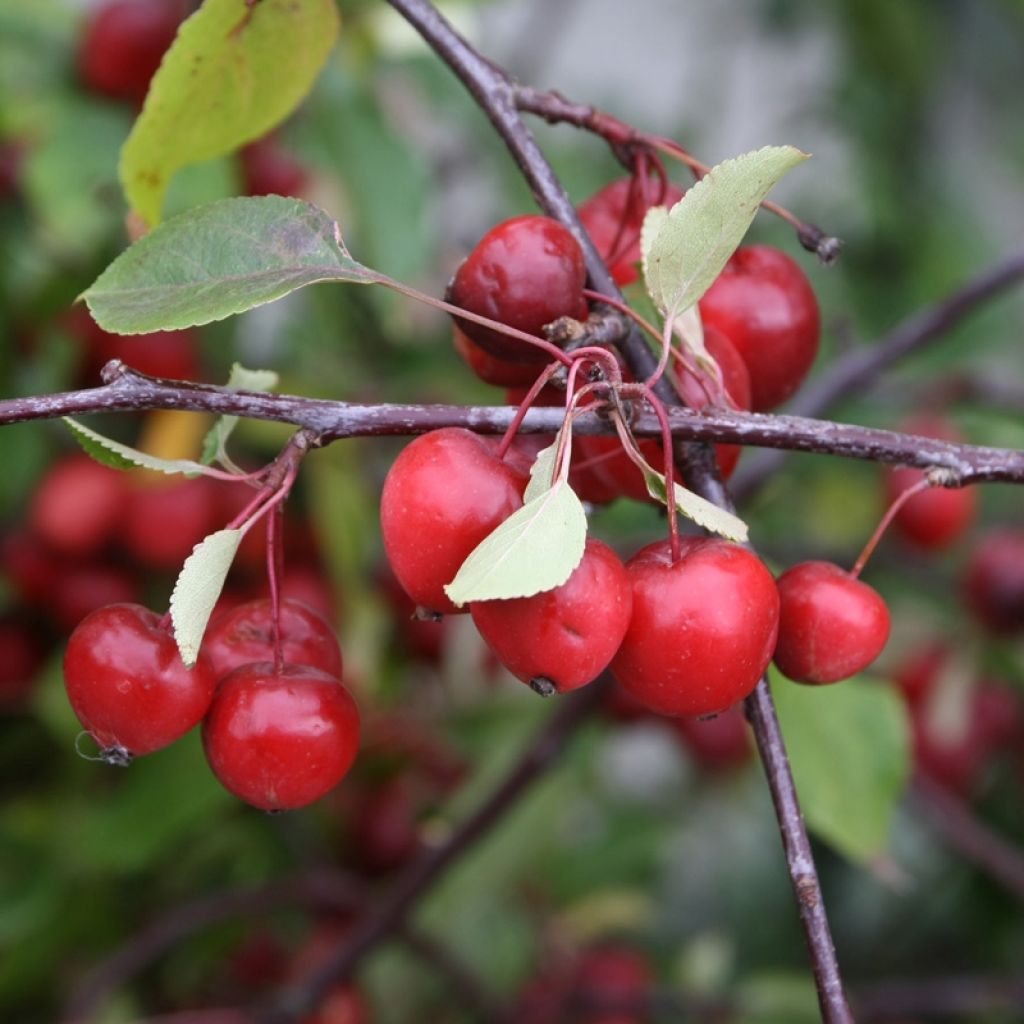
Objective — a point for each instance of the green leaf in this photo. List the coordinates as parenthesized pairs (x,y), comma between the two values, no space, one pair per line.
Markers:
(542,473)
(233,72)
(121,456)
(535,549)
(215,442)
(685,249)
(197,588)
(849,747)
(217,260)
(694,507)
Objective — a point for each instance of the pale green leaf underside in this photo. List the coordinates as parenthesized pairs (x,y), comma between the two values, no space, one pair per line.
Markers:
(198,587)
(215,442)
(541,473)
(696,508)
(121,456)
(849,747)
(685,249)
(220,259)
(535,549)
(233,72)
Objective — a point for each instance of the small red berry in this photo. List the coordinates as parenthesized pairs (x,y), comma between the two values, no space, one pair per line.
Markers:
(166,518)
(78,506)
(245,634)
(270,170)
(831,626)
(938,517)
(993,585)
(123,43)
(525,273)
(717,743)
(445,493)
(613,218)
(763,301)
(563,638)
(280,739)
(491,369)
(703,628)
(127,684)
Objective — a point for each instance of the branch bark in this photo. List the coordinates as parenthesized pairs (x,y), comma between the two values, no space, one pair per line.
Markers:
(859,369)
(330,421)
(495,93)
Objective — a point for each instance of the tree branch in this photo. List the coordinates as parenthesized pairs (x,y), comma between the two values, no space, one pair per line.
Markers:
(330,421)
(495,93)
(859,369)
(393,910)
(318,890)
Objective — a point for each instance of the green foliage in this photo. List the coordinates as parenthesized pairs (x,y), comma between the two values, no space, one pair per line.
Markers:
(218,260)
(535,549)
(849,748)
(685,248)
(121,456)
(221,84)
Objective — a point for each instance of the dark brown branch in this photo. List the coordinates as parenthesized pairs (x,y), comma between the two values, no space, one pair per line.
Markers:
(859,369)
(318,890)
(393,910)
(495,93)
(969,997)
(326,421)
(964,832)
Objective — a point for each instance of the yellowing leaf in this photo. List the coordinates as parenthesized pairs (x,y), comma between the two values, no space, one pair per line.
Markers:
(694,507)
(234,71)
(535,549)
(197,588)
(685,249)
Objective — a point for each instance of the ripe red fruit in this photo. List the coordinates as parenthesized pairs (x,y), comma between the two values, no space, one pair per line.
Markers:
(342,1005)
(703,628)
(82,588)
(766,306)
(78,506)
(939,516)
(563,638)
(525,273)
(172,354)
(604,457)
(385,831)
(608,980)
(123,43)
(128,685)
(717,743)
(491,369)
(993,585)
(21,657)
(280,739)
(167,518)
(613,218)
(270,170)
(831,626)
(446,491)
(245,634)
(959,724)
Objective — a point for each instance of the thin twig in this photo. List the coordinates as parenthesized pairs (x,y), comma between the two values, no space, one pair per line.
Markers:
(855,372)
(325,421)
(393,910)
(319,890)
(496,94)
(964,832)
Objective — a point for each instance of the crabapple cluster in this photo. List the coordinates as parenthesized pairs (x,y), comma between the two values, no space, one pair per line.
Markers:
(687,629)
(279,731)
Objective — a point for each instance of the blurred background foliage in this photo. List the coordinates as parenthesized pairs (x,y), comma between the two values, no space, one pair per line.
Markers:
(912,112)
